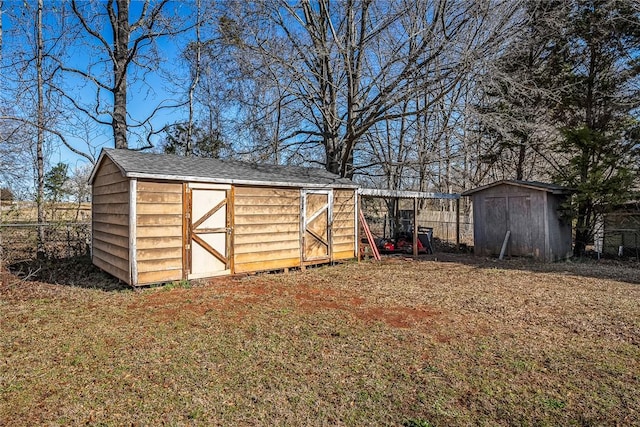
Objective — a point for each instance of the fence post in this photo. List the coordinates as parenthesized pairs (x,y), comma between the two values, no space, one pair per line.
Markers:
(4,275)
(458,224)
(68,241)
(415,226)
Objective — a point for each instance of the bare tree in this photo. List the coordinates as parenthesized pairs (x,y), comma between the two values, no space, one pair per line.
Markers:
(122,51)
(79,189)
(1,6)
(353,65)
(40,130)
(28,90)
(15,162)
(196,51)
(516,96)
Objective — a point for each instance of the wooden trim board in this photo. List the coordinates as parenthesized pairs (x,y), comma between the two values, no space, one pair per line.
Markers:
(133,221)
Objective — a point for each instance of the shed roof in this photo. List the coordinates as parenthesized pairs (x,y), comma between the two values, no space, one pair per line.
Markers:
(535,185)
(136,164)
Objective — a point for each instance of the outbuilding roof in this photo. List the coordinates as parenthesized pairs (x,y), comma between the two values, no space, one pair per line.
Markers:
(136,164)
(550,188)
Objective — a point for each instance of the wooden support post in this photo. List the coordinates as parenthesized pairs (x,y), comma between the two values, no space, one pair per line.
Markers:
(415,226)
(504,244)
(4,275)
(358,209)
(370,239)
(458,224)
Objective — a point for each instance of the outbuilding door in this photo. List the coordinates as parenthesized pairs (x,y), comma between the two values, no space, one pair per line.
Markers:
(208,229)
(520,220)
(513,213)
(316,225)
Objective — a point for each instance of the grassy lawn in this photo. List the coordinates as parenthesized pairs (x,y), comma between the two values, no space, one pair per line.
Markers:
(418,343)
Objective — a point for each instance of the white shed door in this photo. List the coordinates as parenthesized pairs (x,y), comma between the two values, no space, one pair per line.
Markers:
(316,225)
(209,232)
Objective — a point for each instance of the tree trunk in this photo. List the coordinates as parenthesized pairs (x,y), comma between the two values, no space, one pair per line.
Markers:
(40,252)
(582,232)
(333,156)
(522,151)
(194,83)
(121,31)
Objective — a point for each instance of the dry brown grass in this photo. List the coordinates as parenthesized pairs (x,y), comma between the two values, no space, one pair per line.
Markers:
(450,342)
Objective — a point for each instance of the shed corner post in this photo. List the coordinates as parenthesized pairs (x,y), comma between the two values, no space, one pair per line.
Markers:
(356,224)
(301,237)
(548,251)
(186,231)
(133,221)
(231,223)
(330,227)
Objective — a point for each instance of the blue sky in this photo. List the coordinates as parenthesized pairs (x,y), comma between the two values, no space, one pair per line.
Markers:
(144,95)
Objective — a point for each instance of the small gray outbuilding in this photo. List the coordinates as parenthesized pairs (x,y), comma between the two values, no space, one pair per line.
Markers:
(532,213)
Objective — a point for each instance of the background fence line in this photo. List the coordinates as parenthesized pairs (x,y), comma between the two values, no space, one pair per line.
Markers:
(61,240)
(64,239)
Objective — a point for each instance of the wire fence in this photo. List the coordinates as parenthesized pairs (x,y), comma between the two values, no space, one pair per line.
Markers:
(19,241)
(442,224)
(623,243)
(443,231)
(446,231)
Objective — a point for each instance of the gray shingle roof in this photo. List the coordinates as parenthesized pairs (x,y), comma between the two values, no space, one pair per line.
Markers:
(550,188)
(136,164)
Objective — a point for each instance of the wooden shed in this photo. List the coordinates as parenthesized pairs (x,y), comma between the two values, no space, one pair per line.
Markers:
(530,211)
(621,235)
(159,218)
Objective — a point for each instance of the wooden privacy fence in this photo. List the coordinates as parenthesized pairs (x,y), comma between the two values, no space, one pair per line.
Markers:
(61,240)
(444,225)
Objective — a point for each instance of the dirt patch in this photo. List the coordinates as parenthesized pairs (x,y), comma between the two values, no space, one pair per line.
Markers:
(224,295)
(233,295)
(399,317)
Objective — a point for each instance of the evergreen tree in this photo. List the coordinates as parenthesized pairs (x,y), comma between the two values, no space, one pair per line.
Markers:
(597,79)
(55,183)
(198,142)
(567,89)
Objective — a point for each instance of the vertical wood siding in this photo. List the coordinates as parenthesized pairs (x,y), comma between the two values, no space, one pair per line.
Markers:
(519,210)
(267,228)
(532,217)
(344,241)
(110,221)
(159,231)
